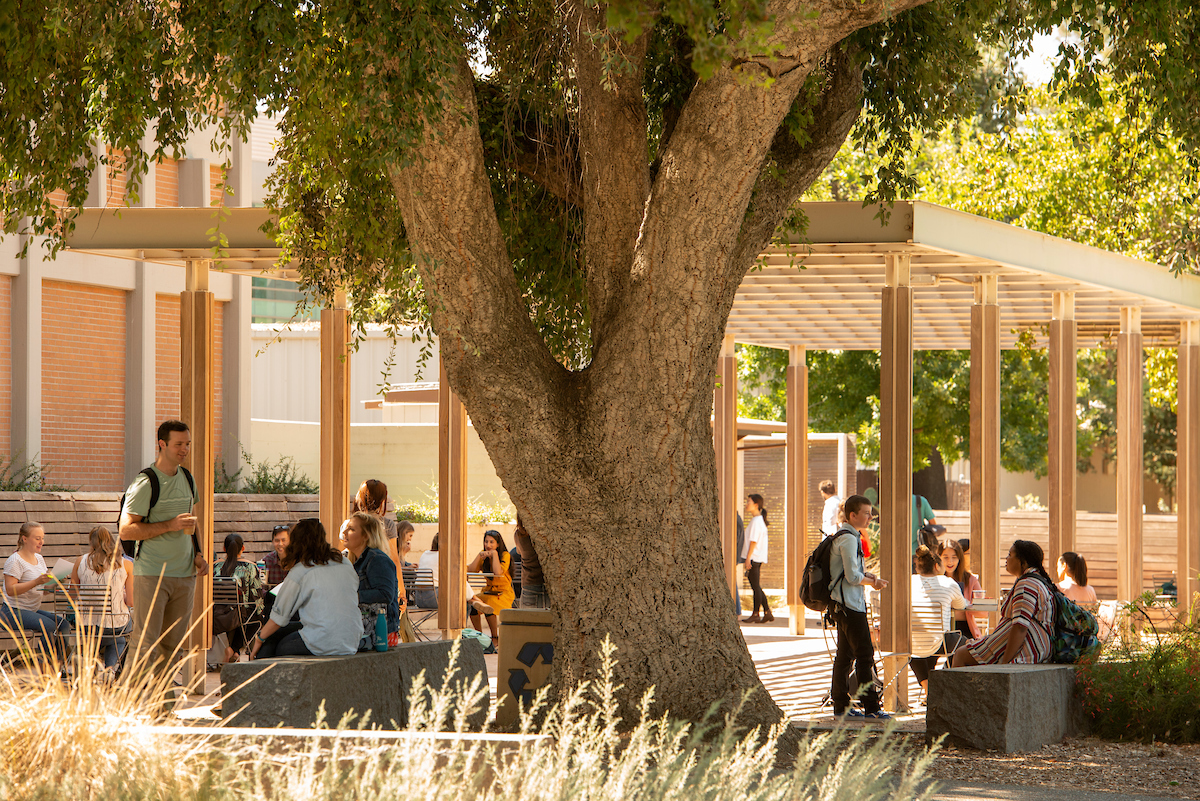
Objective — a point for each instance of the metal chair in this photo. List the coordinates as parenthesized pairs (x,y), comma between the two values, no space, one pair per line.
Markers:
(417,579)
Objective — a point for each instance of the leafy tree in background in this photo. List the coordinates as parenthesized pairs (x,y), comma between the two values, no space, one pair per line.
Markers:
(571,216)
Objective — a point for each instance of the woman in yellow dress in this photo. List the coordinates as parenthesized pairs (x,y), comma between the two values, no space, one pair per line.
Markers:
(498,594)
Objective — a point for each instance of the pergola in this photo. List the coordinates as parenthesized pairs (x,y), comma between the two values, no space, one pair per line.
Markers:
(930,278)
(933,278)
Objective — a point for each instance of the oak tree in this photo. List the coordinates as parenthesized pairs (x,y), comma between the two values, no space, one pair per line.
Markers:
(570,194)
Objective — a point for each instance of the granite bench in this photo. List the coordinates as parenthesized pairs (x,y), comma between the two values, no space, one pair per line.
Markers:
(1003,707)
(289,691)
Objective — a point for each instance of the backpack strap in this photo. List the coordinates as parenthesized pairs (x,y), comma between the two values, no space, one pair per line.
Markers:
(841,577)
(155,491)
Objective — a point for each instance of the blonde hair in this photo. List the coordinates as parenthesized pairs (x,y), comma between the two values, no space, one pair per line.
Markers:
(372,529)
(26,530)
(103,555)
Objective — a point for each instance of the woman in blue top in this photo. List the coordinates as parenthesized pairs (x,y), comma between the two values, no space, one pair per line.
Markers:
(365,541)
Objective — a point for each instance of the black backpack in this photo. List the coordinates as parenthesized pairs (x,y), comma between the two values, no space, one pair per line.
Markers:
(133,547)
(815,592)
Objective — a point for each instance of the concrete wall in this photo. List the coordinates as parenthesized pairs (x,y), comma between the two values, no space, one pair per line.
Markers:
(403,456)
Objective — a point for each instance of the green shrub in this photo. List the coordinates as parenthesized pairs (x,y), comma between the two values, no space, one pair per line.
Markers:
(1145,687)
(90,741)
(478,510)
(280,477)
(18,474)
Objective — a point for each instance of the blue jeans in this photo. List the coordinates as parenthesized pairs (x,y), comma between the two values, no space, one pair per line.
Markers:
(112,642)
(49,628)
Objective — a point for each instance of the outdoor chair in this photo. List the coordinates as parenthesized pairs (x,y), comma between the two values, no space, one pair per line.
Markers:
(417,579)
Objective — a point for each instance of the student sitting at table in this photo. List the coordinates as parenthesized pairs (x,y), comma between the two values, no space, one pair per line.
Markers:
(498,594)
(930,587)
(954,565)
(24,575)
(110,623)
(1027,616)
(365,541)
(322,587)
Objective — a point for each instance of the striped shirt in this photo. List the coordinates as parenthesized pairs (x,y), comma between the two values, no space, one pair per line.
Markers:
(939,590)
(1030,605)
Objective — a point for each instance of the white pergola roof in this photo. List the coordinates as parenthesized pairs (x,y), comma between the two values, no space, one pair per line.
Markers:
(822,294)
(826,294)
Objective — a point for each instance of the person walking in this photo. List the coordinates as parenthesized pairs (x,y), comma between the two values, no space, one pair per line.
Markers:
(158,517)
(848,576)
(756,556)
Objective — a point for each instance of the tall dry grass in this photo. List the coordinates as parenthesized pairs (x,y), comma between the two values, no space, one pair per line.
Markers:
(88,741)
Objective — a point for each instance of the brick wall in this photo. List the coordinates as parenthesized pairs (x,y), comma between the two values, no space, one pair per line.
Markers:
(116,180)
(166,183)
(5,366)
(83,385)
(216,184)
(167,345)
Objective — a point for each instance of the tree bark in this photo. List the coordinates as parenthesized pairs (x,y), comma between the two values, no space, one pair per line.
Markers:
(612,467)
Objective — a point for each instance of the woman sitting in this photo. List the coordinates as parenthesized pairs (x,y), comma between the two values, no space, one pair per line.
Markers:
(954,565)
(109,621)
(323,588)
(24,575)
(427,599)
(365,542)
(1026,620)
(1072,579)
(238,623)
(498,594)
(929,586)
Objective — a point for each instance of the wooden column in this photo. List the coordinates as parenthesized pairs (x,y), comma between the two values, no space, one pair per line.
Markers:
(196,409)
(725,440)
(452,510)
(1064,426)
(335,416)
(895,474)
(796,544)
(985,433)
(1187,476)
(1129,454)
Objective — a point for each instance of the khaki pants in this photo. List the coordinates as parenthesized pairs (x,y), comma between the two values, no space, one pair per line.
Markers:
(162,614)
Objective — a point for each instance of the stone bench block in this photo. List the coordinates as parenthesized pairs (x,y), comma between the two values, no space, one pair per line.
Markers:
(1003,707)
(288,691)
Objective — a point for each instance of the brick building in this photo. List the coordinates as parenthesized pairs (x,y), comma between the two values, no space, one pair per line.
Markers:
(90,345)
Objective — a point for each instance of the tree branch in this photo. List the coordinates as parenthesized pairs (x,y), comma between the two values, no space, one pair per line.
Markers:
(799,165)
(612,148)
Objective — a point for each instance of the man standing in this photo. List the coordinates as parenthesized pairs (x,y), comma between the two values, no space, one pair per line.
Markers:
(849,612)
(829,515)
(162,526)
(922,514)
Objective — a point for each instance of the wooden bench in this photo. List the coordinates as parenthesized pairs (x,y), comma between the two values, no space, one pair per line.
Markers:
(289,691)
(1003,707)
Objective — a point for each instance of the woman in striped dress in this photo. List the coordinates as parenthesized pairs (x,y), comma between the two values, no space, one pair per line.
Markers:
(1027,619)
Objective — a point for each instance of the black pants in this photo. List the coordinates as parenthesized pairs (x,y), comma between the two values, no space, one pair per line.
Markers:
(922,665)
(854,646)
(285,642)
(760,597)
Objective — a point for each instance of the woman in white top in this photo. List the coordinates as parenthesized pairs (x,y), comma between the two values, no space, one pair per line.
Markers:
(756,556)
(1072,579)
(109,620)
(24,575)
(322,587)
(930,587)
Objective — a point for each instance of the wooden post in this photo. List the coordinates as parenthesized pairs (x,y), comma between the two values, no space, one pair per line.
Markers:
(1129,454)
(895,467)
(335,416)
(1064,426)
(985,433)
(796,544)
(725,440)
(1187,476)
(196,409)
(452,509)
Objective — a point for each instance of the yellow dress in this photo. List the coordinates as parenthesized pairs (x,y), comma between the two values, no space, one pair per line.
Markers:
(499,590)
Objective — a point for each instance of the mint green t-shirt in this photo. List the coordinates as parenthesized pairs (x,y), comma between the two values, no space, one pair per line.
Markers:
(921,511)
(171,554)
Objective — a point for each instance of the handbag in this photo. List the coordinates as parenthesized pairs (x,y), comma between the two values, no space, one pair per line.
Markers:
(369,613)
(407,632)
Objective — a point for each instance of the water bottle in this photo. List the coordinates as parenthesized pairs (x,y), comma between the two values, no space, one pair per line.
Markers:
(381,632)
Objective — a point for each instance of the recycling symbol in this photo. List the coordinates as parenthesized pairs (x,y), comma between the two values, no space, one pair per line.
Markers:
(518,679)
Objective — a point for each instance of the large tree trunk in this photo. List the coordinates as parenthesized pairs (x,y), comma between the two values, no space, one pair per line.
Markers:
(612,467)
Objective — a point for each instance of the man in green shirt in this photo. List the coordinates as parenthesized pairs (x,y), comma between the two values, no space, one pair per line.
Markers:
(167,564)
